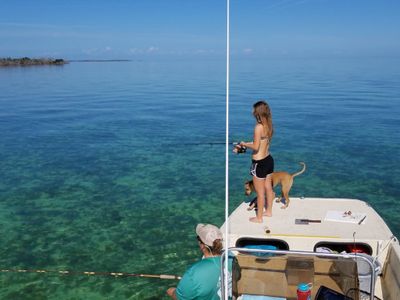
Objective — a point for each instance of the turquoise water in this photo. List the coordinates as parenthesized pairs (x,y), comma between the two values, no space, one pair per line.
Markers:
(108,166)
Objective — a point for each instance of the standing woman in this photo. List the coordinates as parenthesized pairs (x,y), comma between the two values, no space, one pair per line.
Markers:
(262,162)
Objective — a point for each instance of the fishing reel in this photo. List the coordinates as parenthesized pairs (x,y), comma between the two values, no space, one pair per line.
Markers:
(238,149)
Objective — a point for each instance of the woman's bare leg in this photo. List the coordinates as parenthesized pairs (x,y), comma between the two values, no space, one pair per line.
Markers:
(270,196)
(259,186)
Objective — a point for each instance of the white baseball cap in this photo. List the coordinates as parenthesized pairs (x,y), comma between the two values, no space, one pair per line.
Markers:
(208,233)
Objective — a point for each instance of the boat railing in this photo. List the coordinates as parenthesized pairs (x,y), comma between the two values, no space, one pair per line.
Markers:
(269,254)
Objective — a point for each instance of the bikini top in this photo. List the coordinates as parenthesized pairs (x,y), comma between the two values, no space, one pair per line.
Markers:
(265,138)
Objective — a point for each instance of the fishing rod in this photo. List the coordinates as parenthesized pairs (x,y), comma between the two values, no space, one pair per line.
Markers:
(90,273)
(237,150)
(209,143)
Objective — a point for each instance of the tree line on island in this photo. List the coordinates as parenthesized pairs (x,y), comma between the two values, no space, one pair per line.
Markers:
(26,61)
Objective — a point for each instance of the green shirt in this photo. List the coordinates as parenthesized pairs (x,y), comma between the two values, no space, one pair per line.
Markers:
(201,280)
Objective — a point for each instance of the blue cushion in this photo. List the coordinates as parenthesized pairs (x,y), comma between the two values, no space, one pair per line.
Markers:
(261,247)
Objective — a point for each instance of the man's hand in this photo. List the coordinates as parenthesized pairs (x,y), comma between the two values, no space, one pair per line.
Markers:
(171,292)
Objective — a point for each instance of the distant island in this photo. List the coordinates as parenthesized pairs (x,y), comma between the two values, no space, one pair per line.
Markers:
(26,61)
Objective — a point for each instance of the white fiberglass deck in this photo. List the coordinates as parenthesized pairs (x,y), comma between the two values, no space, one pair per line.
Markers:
(372,230)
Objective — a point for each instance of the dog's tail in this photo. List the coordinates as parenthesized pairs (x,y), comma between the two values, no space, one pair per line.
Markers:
(300,172)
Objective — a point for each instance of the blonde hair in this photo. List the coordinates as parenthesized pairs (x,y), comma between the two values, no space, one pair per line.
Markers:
(262,113)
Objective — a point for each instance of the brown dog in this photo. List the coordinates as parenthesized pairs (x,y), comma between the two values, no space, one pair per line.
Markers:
(283,178)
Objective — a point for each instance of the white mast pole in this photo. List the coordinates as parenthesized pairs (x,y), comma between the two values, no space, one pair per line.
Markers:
(227,151)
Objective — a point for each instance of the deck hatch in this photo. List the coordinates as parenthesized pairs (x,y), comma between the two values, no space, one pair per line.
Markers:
(348,247)
(249,241)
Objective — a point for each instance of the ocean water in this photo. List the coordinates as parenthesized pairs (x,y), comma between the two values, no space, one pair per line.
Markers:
(108,167)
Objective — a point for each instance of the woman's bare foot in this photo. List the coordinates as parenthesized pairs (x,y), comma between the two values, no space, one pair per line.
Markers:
(267,214)
(255,220)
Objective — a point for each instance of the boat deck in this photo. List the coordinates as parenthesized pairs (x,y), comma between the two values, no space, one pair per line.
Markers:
(281,225)
(334,229)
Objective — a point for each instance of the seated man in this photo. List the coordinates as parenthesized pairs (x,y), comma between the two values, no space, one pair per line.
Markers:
(201,280)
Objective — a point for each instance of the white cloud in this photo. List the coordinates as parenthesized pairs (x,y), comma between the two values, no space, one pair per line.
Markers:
(93,51)
(134,50)
(202,51)
(247,51)
(90,50)
(152,49)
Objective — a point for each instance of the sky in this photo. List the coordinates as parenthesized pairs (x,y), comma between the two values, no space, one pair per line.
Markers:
(137,29)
